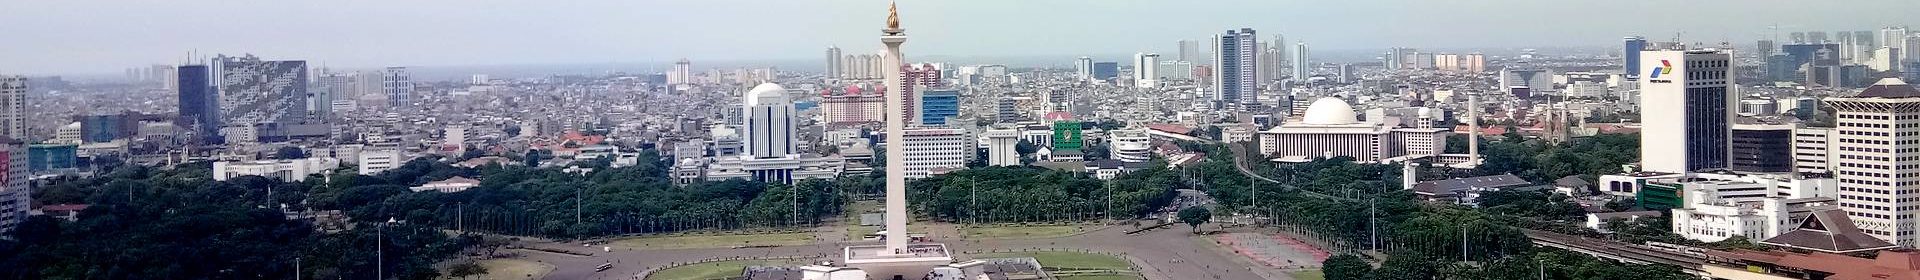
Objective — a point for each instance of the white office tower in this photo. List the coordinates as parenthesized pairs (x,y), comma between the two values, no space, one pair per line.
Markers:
(1687,91)
(834,63)
(1175,71)
(682,72)
(1302,64)
(1146,70)
(13,107)
(932,151)
(399,87)
(1130,145)
(1897,37)
(1002,147)
(769,117)
(1083,69)
(1874,148)
(1189,51)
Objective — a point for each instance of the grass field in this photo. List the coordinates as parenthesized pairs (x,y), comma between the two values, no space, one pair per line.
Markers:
(1072,260)
(1308,275)
(715,241)
(1021,232)
(512,269)
(710,270)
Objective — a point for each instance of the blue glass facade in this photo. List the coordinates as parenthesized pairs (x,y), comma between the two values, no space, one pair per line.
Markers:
(1106,70)
(936,105)
(99,128)
(1632,54)
(49,157)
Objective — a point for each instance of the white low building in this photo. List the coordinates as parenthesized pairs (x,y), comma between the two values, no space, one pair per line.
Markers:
(455,184)
(788,169)
(375,161)
(285,170)
(1130,145)
(1331,128)
(1719,206)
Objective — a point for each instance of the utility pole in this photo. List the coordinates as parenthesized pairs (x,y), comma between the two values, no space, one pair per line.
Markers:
(1463,242)
(576,204)
(1109,200)
(380,251)
(1373,224)
(296,268)
(795,189)
(974,193)
(460,210)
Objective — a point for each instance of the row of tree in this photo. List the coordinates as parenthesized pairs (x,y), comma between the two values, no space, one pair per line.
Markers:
(147,223)
(1034,194)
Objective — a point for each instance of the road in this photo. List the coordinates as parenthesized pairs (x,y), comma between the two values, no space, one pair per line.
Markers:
(1241,161)
(1156,251)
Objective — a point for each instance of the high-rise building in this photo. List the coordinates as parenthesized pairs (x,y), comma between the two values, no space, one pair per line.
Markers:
(1762,148)
(1190,51)
(938,106)
(835,63)
(257,92)
(1474,63)
(931,151)
(399,87)
(199,104)
(15,198)
(329,86)
(1146,70)
(1236,59)
(1817,37)
(1847,48)
(1106,71)
(1175,71)
(1689,91)
(1302,63)
(13,107)
(1631,56)
(1765,47)
(1083,68)
(1897,37)
(1873,158)
(682,72)
(770,123)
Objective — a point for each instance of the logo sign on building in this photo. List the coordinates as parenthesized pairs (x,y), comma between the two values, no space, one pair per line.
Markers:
(1666,68)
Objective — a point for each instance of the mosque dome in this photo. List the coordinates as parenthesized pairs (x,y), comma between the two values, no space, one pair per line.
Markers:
(1330,111)
(765,92)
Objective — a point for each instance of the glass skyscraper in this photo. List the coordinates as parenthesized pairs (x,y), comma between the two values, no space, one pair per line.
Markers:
(936,105)
(1632,54)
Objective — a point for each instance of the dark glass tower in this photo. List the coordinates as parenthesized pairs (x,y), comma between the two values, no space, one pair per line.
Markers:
(199,105)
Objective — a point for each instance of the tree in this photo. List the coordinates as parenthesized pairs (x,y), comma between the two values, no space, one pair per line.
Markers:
(1195,216)
(466,269)
(290,152)
(1346,267)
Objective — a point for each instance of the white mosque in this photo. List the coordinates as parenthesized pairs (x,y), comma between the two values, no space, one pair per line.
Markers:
(1330,128)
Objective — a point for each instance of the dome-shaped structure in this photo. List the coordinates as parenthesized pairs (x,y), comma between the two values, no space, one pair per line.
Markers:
(1330,111)
(765,93)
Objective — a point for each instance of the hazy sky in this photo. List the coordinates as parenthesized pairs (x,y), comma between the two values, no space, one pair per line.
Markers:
(61,37)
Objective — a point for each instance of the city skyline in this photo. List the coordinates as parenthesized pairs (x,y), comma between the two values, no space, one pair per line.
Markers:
(351,34)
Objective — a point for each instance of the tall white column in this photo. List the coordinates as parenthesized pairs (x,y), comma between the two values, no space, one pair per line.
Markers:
(896,152)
